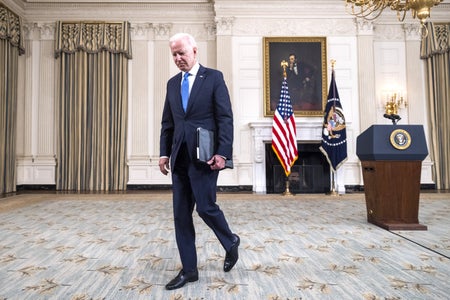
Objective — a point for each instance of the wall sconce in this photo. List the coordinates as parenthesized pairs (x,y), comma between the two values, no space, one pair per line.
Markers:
(394,102)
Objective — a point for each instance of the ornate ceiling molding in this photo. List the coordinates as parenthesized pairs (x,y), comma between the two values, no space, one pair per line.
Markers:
(202,11)
(299,27)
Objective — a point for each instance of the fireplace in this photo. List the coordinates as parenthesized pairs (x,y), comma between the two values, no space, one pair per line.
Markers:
(310,173)
(311,167)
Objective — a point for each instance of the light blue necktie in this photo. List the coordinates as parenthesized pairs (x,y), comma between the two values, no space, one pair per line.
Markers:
(185,90)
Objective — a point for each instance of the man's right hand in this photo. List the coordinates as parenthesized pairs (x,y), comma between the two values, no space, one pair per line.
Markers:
(164,165)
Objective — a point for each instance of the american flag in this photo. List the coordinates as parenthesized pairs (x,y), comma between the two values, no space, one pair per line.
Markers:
(284,132)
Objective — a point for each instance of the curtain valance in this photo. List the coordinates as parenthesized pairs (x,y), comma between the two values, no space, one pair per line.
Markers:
(437,41)
(11,28)
(93,37)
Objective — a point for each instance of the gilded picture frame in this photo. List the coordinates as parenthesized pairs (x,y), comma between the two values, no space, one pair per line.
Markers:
(306,73)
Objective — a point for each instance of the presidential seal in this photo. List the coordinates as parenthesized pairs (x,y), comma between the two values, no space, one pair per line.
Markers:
(400,139)
(335,123)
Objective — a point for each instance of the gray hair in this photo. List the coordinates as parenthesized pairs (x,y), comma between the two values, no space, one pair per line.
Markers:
(186,36)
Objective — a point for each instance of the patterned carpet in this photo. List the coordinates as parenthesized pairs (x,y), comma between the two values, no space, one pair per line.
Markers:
(111,246)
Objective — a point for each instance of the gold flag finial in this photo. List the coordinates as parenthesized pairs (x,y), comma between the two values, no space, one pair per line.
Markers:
(333,62)
(284,65)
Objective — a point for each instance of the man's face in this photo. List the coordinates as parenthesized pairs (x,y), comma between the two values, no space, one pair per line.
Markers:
(292,59)
(184,55)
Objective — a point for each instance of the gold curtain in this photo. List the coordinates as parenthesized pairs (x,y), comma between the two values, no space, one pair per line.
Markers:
(11,46)
(435,49)
(93,105)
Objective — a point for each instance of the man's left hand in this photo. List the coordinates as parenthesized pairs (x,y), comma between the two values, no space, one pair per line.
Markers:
(217,162)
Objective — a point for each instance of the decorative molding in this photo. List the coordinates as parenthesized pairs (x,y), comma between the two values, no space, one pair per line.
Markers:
(162,31)
(224,25)
(198,31)
(36,170)
(137,11)
(412,31)
(32,31)
(389,32)
(46,30)
(364,27)
(211,31)
(292,27)
(141,31)
(292,9)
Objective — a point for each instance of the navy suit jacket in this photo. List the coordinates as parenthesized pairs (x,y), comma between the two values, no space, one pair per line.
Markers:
(209,107)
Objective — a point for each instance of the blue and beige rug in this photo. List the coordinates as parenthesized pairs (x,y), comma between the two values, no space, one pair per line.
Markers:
(302,247)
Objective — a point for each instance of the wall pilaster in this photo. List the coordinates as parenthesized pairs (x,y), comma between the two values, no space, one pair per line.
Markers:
(140,87)
(36,162)
(415,85)
(366,74)
(417,108)
(162,61)
(149,71)
(211,47)
(225,49)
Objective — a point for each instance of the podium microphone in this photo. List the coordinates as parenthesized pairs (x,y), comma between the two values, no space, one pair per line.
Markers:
(393,117)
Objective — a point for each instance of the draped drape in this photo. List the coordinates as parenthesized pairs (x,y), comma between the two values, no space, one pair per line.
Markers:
(11,46)
(435,49)
(93,105)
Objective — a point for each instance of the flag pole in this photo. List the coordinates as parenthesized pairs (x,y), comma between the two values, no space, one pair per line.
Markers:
(333,182)
(333,186)
(334,136)
(286,192)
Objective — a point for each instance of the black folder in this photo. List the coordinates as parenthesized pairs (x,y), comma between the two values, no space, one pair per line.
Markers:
(205,147)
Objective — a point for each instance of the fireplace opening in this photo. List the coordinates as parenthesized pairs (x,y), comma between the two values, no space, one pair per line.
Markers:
(309,174)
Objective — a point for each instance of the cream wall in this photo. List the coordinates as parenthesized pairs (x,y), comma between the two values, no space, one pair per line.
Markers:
(369,56)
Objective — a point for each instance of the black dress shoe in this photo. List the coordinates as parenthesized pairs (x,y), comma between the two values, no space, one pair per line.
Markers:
(232,255)
(181,279)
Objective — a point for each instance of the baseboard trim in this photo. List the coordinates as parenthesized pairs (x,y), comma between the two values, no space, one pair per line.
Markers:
(156,187)
(36,187)
(360,188)
(143,187)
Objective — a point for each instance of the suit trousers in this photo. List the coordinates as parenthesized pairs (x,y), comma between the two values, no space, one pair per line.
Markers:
(194,185)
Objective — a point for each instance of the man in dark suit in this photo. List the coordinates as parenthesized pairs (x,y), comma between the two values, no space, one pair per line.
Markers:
(207,104)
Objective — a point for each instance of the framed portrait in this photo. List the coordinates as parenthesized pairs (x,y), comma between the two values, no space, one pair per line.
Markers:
(304,59)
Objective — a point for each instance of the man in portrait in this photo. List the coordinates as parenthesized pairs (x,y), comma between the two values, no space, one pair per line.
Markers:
(302,84)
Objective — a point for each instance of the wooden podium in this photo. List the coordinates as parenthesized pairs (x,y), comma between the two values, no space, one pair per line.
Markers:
(391,160)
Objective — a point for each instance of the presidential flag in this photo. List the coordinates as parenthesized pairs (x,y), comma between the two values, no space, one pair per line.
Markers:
(284,132)
(334,136)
